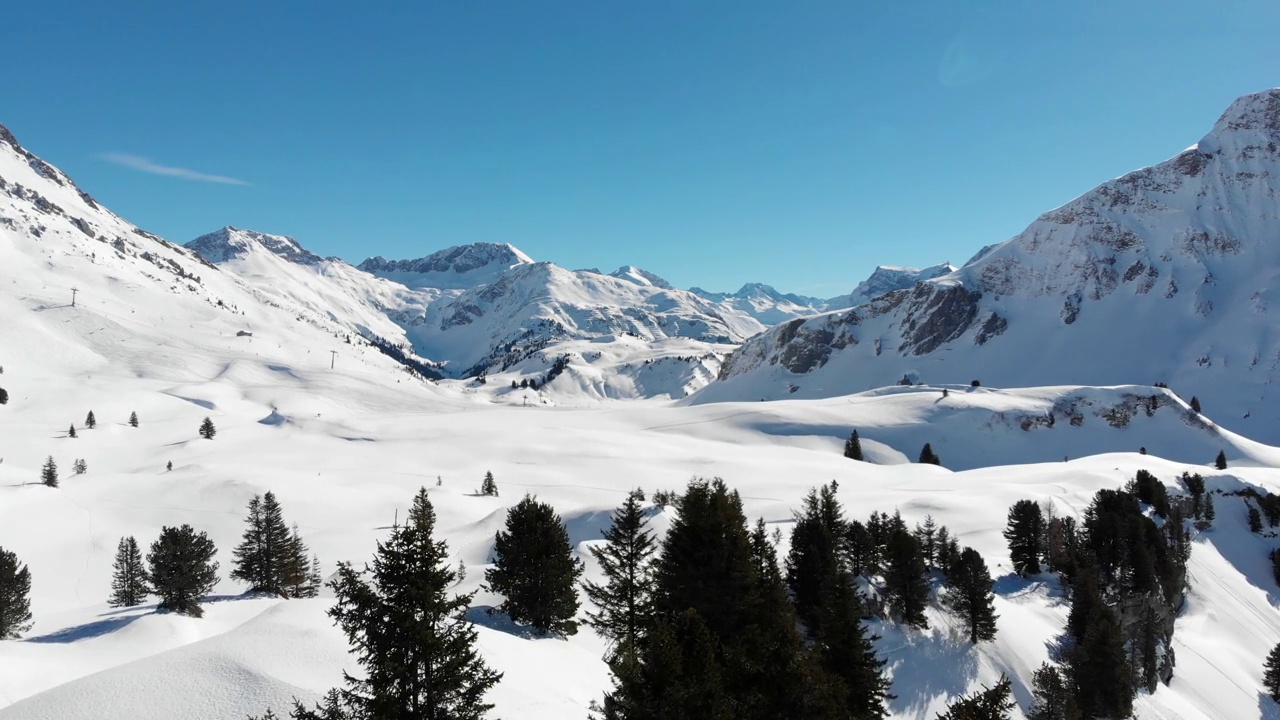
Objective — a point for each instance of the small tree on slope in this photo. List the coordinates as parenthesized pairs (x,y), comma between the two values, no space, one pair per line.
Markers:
(1220,462)
(853,447)
(1270,675)
(129,576)
(928,456)
(182,569)
(489,486)
(207,430)
(987,704)
(263,554)
(49,473)
(90,421)
(15,605)
(1024,533)
(534,569)
(970,595)
(133,419)
(625,600)
(419,656)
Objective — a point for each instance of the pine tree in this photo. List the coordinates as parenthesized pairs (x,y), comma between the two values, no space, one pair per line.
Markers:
(1208,511)
(488,486)
(927,535)
(928,456)
(1052,698)
(1220,462)
(1100,669)
(1270,675)
(15,603)
(4,396)
(207,430)
(853,447)
(49,473)
(419,656)
(625,600)
(182,570)
(1255,519)
(79,467)
(90,421)
(297,569)
(970,595)
(987,704)
(534,569)
(813,564)
(315,579)
(129,576)
(847,653)
(1195,404)
(263,557)
(905,582)
(169,465)
(1024,532)
(133,419)
(681,676)
(71,433)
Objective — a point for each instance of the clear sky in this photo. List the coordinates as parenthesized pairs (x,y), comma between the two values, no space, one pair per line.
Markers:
(712,142)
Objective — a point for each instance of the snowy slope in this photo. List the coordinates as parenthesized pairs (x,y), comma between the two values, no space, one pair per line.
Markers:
(1165,274)
(454,268)
(886,279)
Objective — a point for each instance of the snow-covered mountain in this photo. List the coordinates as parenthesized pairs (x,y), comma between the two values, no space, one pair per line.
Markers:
(1165,274)
(454,268)
(764,303)
(886,279)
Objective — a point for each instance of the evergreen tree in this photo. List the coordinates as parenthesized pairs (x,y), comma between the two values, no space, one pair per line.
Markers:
(625,600)
(90,421)
(15,603)
(847,654)
(853,447)
(970,595)
(1052,698)
(905,582)
(1220,462)
(927,455)
(861,552)
(71,432)
(1208,511)
(534,569)
(299,572)
(488,486)
(987,704)
(133,419)
(1270,675)
(1100,669)
(813,564)
(1024,532)
(182,570)
(1195,404)
(207,430)
(129,576)
(79,467)
(49,473)
(4,396)
(419,656)
(1255,519)
(681,676)
(927,535)
(169,465)
(266,550)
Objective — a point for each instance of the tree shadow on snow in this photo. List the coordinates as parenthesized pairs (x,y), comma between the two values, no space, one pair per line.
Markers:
(94,629)
(937,664)
(490,617)
(1012,586)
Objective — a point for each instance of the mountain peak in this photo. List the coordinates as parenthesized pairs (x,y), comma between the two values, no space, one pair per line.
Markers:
(230,243)
(457,267)
(1253,119)
(631,273)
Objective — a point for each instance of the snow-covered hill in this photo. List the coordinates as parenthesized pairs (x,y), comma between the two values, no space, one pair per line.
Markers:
(1165,274)
(886,279)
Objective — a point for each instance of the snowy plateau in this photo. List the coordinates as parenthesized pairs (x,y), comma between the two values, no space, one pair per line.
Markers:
(344,389)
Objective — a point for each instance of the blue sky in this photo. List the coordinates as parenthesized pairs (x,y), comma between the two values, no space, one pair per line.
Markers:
(794,143)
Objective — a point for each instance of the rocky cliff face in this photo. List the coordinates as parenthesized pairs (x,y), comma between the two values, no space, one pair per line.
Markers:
(1167,273)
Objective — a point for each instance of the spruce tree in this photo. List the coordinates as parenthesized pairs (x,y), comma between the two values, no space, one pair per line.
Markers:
(847,653)
(1270,675)
(207,430)
(813,564)
(297,570)
(79,467)
(1255,519)
(1208,513)
(624,601)
(71,433)
(1195,404)
(1220,462)
(418,654)
(49,473)
(182,570)
(970,595)
(681,676)
(928,456)
(15,603)
(129,576)
(987,704)
(905,581)
(1024,532)
(488,486)
(90,421)
(853,447)
(133,419)
(1051,696)
(264,554)
(534,569)
(1100,669)
(4,396)
(927,535)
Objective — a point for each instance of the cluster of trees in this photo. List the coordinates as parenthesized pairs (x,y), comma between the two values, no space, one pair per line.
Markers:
(853,450)
(273,559)
(1117,561)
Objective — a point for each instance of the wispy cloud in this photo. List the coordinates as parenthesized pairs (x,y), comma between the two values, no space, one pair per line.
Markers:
(137,162)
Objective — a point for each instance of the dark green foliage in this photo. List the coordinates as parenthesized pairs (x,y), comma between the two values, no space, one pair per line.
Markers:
(1207,515)
(861,552)
(267,551)
(71,432)
(207,430)
(90,421)
(681,676)
(79,467)
(1195,486)
(1220,462)
(853,447)
(1025,533)
(49,473)
(813,564)
(300,572)
(906,584)
(1274,555)
(133,419)
(1100,670)
(4,396)
(1195,404)
(169,465)
(129,576)
(534,569)
(15,603)
(665,498)
(847,653)
(1255,518)
(1131,552)
(182,570)
(1270,675)
(1148,651)
(418,654)
(625,600)
(1151,491)
(987,704)
(488,486)
(927,455)
(1061,545)
(1086,599)
(970,595)
(1053,699)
